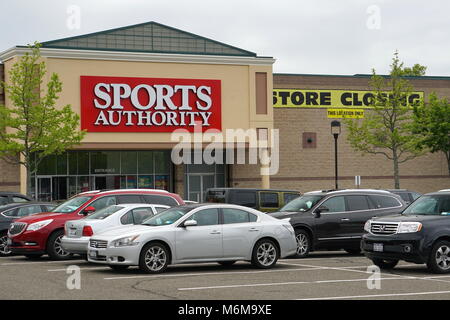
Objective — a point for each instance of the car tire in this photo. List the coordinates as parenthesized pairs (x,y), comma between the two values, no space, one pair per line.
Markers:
(4,251)
(385,264)
(54,249)
(265,254)
(118,267)
(226,263)
(303,243)
(353,251)
(439,260)
(154,258)
(33,256)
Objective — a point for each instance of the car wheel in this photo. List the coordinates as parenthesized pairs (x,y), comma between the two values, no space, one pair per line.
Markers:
(226,263)
(303,243)
(385,263)
(154,258)
(54,248)
(118,267)
(33,256)
(353,250)
(4,250)
(265,254)
(439,260)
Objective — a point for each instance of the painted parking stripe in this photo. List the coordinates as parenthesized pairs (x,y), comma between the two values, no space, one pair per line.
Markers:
(379,295)
(38,262)
(210,273)
(282,283)
(92,268)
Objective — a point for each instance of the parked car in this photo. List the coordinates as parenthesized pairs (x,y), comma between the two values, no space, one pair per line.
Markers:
(266,200)
(78,232)
(41,234)
(407,195)
(13,211)
(220,233)
(333,220)
(13,197)
(421,234)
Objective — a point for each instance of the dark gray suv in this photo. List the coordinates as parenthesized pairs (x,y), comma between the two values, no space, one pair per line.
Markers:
(334,219)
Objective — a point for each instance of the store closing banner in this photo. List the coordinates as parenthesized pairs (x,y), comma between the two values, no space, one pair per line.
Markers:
(124,104)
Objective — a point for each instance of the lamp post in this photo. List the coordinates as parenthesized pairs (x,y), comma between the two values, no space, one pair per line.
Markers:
(335,131)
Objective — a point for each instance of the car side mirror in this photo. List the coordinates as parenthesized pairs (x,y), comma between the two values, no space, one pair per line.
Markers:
(319,210)
(190,223)
(88,210)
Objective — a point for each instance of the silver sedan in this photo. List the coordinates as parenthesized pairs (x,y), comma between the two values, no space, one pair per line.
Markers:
(78,232)
(196,233)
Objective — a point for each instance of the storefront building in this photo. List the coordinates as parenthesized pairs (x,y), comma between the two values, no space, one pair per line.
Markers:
(134,86)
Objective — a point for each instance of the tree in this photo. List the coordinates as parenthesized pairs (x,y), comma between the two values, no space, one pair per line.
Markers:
(386,128)
(31,128)
(432,122)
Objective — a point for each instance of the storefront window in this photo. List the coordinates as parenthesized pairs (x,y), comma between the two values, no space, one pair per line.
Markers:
(128,162)
(105,162)
(145,181)
(145,162)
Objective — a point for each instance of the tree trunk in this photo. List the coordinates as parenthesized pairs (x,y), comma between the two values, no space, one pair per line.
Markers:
(396,169)
(29,184)
(447,155)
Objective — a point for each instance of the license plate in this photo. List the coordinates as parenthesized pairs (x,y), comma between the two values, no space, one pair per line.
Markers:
(378,247)
(72,232)
(93,254)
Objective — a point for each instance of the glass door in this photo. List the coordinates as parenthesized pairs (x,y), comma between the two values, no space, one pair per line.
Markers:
(44,189)
(197,185)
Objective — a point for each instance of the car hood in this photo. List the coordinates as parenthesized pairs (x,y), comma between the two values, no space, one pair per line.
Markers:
(125,231)
(286,214)
(411,218)
(40,217)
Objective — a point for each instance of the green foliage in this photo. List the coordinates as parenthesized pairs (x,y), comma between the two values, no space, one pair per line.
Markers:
(386,128)
(432,122)
(31,126)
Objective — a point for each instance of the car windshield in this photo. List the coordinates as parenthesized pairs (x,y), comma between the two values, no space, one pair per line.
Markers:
(303,203)
(71,205)
(104,213)
(167,217)
(430,205)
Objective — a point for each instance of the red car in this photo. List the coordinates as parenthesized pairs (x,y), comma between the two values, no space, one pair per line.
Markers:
(41,233)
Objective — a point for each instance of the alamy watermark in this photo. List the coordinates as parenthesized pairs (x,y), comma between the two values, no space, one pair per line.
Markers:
(73,281)
(374,280)
(374,19)
(73,21)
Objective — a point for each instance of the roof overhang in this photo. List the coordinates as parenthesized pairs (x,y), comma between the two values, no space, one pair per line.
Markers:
(137,56)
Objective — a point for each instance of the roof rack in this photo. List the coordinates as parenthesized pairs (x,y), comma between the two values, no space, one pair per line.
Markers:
(121,190)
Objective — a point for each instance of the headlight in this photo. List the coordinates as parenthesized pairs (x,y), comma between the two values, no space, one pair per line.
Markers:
(407,227)
(39,225)
(367,225)
(124,242)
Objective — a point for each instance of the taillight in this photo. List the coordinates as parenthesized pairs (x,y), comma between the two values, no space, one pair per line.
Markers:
(87,231)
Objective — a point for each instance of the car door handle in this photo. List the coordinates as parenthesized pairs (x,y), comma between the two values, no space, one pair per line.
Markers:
(215,232)
(253,230)
(345,219)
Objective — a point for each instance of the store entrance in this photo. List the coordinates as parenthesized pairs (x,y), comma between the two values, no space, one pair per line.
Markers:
(197,185)
(51,188)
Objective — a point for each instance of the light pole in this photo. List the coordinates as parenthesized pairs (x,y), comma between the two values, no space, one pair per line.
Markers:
(335,131)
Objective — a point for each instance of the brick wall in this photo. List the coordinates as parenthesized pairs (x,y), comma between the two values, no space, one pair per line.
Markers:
(308,169)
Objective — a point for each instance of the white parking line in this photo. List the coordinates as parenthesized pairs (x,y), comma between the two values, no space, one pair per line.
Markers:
(210,273)
(93,268)
(37,262)
(282,284)
(379,295)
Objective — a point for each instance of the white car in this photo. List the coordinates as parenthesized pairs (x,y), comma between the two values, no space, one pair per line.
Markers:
(78,232)
(221,233)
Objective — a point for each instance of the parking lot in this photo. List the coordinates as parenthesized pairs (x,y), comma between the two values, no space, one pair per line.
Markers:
(323,275)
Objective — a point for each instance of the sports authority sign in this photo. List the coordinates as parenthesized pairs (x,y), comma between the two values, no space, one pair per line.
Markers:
(123,104)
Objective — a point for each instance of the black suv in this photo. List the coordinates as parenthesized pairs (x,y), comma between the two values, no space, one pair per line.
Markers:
(12,197)
(421,234)
(334,219)
(407,195)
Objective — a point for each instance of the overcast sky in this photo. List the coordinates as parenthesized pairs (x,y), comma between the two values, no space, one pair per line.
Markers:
(304,36)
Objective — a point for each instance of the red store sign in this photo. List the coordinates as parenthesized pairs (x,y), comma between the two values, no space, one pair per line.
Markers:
(123,104)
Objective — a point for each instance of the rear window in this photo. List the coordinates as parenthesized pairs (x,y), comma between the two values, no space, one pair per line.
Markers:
(157,199)
(244,198)
(384,201)
(104,213)
(217,196)
(237,216)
